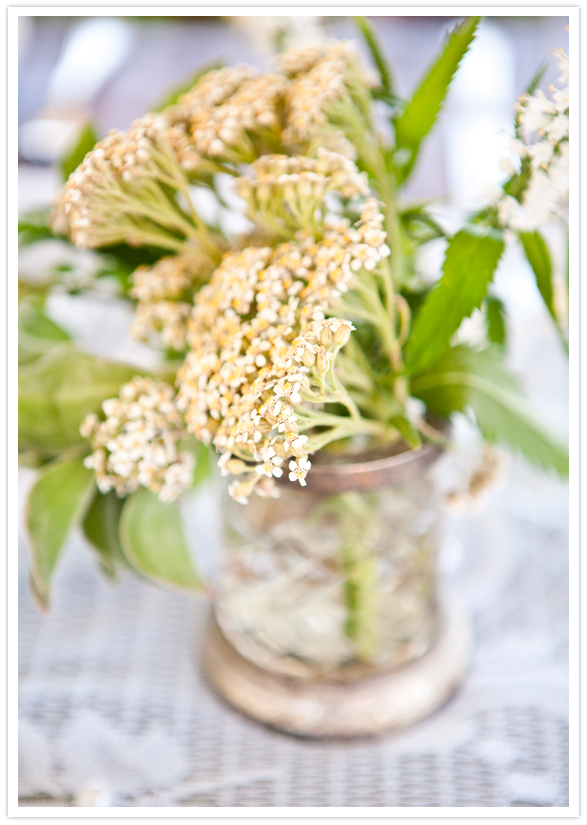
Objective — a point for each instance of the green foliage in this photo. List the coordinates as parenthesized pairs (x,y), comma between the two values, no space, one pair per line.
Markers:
(496,325)
(37,333)
(85,143)
(34,226)
(153,541)
(101,529)
(173,95)
(58,390)
(383,67)
(538,256)
(539,259)
(59,499)
(407,430)
(465,379)
(471,259)
(421,111)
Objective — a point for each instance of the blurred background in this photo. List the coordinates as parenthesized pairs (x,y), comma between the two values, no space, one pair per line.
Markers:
(155,735)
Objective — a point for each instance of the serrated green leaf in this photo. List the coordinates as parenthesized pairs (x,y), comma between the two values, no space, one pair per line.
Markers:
(496,325)
(172,96)
(58,390)
(421,111)
(85,143)
(471,259)
(383,67)
(58,500)
(465,379)
(152,537)
(539,259)
(100,527)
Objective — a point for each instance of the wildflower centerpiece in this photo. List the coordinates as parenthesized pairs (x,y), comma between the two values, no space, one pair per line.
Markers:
(307,355)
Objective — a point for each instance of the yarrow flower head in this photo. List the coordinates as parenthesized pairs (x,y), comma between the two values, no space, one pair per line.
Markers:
(326,98)
(136,443)
(231,114)
(165,294)
(286,192)
(262,346)
(121,193)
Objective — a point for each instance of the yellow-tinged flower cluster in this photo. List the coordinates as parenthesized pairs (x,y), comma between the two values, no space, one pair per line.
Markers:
(262,348)
(119,193)
(322,77)
(165,294)
(286,191)
(232,114)
(136,444)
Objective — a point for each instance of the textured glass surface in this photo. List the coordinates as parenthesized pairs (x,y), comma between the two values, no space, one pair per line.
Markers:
(313,584)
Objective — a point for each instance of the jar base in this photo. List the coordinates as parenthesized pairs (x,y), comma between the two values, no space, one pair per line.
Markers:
(327,707)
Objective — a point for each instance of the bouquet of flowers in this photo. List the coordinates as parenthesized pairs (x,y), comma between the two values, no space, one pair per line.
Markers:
(307,329)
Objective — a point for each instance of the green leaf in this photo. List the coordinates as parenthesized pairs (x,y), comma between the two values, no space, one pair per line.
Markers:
(464,378)
(377,54)
(37,333)
(172,96)
(58,390)
(34,226)
(85,143)
(471,259)
(152,537)
(539,259)
(58,500)
(407,430)
(421,111)
(101,529)
(496,325)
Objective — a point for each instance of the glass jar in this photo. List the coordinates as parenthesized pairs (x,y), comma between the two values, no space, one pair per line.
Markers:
(336,579)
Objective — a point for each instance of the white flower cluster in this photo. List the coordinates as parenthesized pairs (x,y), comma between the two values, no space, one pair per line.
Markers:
(232,114)
(547,158)
(286,191)
(261,346)
(136,444)
(165,297)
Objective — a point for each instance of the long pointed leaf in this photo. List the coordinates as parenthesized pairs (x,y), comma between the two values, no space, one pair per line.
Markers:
(538,256)
(464,379)
(420,114)
(383,67)
(152,537)
(58,500)
(471,259)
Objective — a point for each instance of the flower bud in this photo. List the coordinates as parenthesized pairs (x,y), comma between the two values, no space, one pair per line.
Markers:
(343,334)
(235,466)
(326,336)
(322,360)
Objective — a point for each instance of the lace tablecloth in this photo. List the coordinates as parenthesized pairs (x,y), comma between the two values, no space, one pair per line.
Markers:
(114,709)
